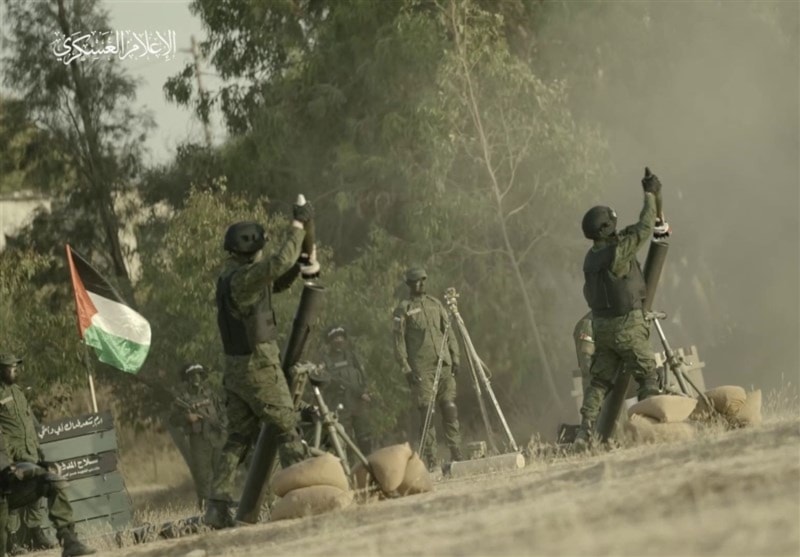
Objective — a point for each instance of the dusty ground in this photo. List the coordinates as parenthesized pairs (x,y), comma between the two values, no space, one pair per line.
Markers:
(733,493)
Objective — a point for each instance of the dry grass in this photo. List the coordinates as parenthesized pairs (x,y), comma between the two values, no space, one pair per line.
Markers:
(724,493)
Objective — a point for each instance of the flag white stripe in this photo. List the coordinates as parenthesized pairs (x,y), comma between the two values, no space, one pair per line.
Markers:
(120,320)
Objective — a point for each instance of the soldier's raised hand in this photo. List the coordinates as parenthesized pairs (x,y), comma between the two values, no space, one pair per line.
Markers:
(650,182)
(303,213)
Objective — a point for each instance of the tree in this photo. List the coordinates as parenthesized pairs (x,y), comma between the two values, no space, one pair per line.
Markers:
(83,111)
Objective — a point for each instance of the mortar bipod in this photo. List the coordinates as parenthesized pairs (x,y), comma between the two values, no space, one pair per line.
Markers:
(336,434)
(476,364)
(673,362)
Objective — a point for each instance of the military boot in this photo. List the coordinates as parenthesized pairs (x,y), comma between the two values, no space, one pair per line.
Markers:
(13,545)
(431,462)
(583,437)
(647,387)
(41,539)
(219,514)
(71,545)
(456,454)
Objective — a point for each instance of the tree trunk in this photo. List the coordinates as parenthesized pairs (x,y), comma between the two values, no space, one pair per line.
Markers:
(99,181)
(474,108)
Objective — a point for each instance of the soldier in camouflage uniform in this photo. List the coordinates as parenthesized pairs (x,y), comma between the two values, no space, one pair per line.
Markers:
(197,411)
(419,325)
(24,475)
(615,292)
(584,347)
(256,391)
(346,384)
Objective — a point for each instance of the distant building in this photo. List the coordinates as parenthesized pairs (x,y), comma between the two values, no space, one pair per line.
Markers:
(16,210)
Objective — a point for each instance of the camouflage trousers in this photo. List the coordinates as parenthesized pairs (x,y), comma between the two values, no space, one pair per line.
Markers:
(445,404)
(256,393)
(204,454)
(619,341)
(27,493)
(356,425)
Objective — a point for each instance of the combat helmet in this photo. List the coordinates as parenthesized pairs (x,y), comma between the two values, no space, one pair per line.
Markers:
(413,274)
(599,222)
(244,238)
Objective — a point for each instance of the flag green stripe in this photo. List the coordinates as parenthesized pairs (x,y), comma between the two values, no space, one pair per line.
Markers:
(116,351)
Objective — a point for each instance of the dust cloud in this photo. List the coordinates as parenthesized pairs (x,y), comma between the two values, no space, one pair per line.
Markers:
(707,95)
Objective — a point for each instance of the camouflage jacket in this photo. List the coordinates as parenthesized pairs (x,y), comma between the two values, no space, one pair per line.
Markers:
(346,380)
(18,425)
(419,325)
(631,238)
(203,401)
(251,281)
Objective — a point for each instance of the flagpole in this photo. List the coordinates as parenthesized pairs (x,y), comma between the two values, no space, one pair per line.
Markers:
(89,374)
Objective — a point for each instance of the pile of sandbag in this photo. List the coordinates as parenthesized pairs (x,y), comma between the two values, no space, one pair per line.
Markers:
(310,487)
(736,406)
(396,470)
(673,418)
(661,418)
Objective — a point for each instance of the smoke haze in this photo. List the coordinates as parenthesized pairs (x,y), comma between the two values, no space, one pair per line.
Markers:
(706,94)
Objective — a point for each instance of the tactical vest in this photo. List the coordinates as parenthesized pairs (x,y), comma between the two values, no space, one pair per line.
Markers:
(241,330)
(344,375)
(609,295)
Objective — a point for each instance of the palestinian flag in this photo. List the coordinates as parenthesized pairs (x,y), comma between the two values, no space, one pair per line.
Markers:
(119,335)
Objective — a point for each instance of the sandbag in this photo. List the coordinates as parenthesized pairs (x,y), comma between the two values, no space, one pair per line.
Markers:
(643,429)
(727,400)
(319,470)
(389,466)
(664,408)
(308,501)
(750,412)
(416,479)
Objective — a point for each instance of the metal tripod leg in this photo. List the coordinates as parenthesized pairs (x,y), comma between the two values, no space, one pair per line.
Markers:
(479,371)
(435,391)
(676,367)
(336,432)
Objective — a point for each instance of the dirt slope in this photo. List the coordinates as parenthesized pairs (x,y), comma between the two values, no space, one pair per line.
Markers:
(735,493)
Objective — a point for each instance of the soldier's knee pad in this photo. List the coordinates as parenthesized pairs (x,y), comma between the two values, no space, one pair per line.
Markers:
(449,411)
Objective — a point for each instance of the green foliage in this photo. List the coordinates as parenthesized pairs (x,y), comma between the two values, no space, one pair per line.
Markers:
(42,332)
(84,136)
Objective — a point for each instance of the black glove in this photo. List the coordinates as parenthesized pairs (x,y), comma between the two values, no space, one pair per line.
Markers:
(303,213)
(454,369)
(7,475)
(413,379)
(307,412)
(650,182)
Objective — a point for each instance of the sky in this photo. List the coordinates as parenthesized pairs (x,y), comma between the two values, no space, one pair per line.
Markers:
(174,124)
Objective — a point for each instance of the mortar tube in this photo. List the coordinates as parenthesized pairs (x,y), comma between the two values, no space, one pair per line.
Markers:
(614,401)
(266,449)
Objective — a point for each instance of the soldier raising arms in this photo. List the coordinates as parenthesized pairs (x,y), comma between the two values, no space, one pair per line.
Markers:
(615,292)
(255,386)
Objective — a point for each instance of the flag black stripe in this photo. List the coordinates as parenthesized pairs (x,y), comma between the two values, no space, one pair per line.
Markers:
(92,279)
